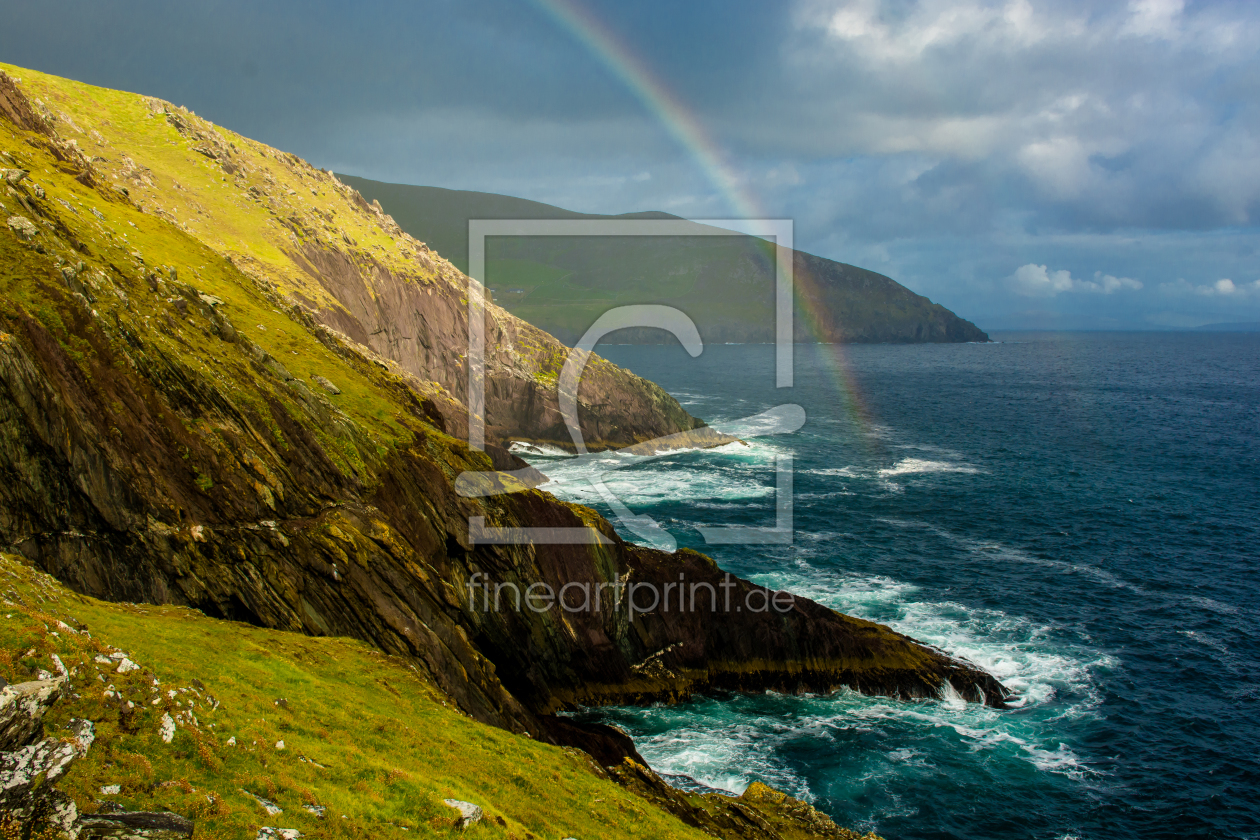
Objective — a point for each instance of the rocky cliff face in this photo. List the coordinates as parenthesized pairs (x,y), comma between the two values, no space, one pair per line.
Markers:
(317,243)
(181,425)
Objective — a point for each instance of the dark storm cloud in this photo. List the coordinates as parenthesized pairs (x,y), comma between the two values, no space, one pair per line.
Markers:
(966,148)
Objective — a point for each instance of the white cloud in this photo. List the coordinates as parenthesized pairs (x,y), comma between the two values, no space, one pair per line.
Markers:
(1060,165)
(1107,283)
(869,27)
(1034,280)
(1223,288)
(1154,18)
(1136,115)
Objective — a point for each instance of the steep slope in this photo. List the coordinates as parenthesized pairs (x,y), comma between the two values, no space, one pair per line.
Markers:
(562,284)
(342,741)
(165,438)
(318,244)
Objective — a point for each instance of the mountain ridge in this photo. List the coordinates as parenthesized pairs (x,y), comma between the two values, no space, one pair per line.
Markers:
(561,284)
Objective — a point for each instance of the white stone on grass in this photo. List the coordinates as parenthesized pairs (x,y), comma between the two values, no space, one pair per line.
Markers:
(167,728)
(468,812)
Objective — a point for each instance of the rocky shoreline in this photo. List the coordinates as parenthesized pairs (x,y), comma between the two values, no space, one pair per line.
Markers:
(152,452)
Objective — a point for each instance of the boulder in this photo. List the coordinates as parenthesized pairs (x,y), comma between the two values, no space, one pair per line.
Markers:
(325,384)
(27,775)
(22,709)
(267,805)
(167,728)
(468,812)
(23,228)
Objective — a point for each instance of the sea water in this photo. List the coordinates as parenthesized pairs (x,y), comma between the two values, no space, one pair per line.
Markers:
(1079,514)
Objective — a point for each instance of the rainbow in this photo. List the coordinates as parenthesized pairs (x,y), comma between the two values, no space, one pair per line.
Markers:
(687,130)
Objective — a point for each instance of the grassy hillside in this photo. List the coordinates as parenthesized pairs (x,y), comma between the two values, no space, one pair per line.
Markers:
(562,284)
(364,735)
(310,241)
(345,741)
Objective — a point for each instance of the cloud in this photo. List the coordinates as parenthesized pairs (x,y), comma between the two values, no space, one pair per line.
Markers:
(1033,280)
(1079,115)
(1154,18)
(942,141)
(1107,283)
(1224,288)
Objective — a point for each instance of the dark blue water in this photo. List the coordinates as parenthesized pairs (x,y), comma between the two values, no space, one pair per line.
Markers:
(1078,513)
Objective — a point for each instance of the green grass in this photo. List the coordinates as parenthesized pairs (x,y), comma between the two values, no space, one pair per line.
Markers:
(390,746)
(236,227)
(179,184)
(122,245)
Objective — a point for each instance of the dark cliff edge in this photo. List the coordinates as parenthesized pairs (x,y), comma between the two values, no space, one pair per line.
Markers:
(177,426)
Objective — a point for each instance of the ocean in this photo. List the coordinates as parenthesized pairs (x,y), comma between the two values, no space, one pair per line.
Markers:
(1078,513)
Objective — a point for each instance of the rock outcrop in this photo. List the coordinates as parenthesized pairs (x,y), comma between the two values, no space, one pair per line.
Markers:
(134,825)
(759,813)
(468,812)
(30,764)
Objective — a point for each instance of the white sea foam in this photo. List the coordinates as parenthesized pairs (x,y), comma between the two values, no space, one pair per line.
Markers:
(1213,605)
(1016,651)
(729,753)
(520,447)
(724,752)
(730,473)
(994,550)
(835,472)
(1206,640)
(950,454)
(904,467)
(921,466)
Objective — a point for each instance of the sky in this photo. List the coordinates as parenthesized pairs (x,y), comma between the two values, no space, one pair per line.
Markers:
(1030,165)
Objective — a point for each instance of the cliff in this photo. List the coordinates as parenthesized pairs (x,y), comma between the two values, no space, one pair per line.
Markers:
(122,720)
(726,284)
(188,417)
(311,241)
